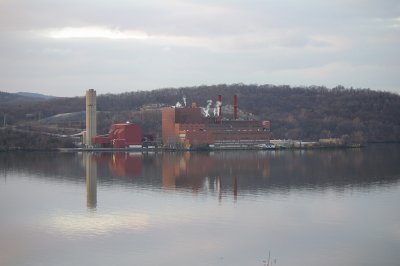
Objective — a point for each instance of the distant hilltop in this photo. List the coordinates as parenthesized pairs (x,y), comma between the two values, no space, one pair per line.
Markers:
(35,95)
(6,97)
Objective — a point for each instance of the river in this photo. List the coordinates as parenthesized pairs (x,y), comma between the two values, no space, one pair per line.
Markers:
(311,207)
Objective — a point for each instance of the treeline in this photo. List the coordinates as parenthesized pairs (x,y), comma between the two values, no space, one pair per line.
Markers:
(11,139)
(306,113)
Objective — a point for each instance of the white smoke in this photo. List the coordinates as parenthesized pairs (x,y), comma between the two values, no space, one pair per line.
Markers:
(216,108)
(206,110)
(209,103)
(184,100)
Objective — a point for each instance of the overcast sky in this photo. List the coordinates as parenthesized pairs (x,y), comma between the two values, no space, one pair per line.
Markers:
(63,47)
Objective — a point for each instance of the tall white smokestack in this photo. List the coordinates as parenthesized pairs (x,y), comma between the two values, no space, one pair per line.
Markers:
(91,120)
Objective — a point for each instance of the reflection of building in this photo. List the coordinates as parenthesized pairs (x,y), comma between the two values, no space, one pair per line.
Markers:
(212,171)
(121,164)
(91,180)
(189,127)
(217,173)
(185,169)
(126,164)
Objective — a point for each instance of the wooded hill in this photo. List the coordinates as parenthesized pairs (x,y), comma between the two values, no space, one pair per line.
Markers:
(306,113)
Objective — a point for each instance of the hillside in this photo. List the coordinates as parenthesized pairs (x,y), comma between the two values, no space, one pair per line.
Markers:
(22,97)
(306,113)
(34,95)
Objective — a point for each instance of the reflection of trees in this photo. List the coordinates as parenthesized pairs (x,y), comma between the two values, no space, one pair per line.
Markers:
(359,167)
(252,171)
(233,172)
(53,165)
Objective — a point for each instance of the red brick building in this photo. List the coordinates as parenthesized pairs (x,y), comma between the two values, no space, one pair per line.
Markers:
(186,127)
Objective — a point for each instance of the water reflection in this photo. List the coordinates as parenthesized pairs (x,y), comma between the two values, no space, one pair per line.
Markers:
(93,224)
(91,180)
(120,164)
(242,173)
(219,173)
(336,207)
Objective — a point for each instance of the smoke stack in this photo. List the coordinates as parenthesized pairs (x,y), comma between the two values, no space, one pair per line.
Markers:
(234,107)
(91,120)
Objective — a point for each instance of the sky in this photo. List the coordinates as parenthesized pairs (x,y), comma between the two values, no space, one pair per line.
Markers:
(64,47)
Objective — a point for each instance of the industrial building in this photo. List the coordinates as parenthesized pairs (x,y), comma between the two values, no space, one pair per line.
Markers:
(193,128)
(127,135)
(120,136)
(182,128)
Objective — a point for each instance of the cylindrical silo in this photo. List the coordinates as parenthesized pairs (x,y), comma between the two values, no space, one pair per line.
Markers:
(91,120)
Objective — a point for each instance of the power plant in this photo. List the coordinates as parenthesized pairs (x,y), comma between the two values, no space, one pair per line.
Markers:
(194,128)
(183,127)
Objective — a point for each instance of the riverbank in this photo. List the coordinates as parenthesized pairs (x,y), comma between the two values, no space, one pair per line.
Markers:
(169,149)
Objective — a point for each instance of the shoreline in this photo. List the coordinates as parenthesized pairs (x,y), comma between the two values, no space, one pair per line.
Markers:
(204,149)
(162,149)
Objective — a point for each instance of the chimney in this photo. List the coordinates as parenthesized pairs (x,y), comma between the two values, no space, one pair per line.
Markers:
(91,121)
(234,107)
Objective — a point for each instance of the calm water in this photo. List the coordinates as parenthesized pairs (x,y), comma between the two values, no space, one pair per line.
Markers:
(337,207)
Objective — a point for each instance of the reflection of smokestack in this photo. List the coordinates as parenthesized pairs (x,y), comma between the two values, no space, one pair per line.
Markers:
(91,119)
(235,188)
(91,180)
(234,107)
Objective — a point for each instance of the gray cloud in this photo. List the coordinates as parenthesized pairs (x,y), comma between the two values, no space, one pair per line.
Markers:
(137,45)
